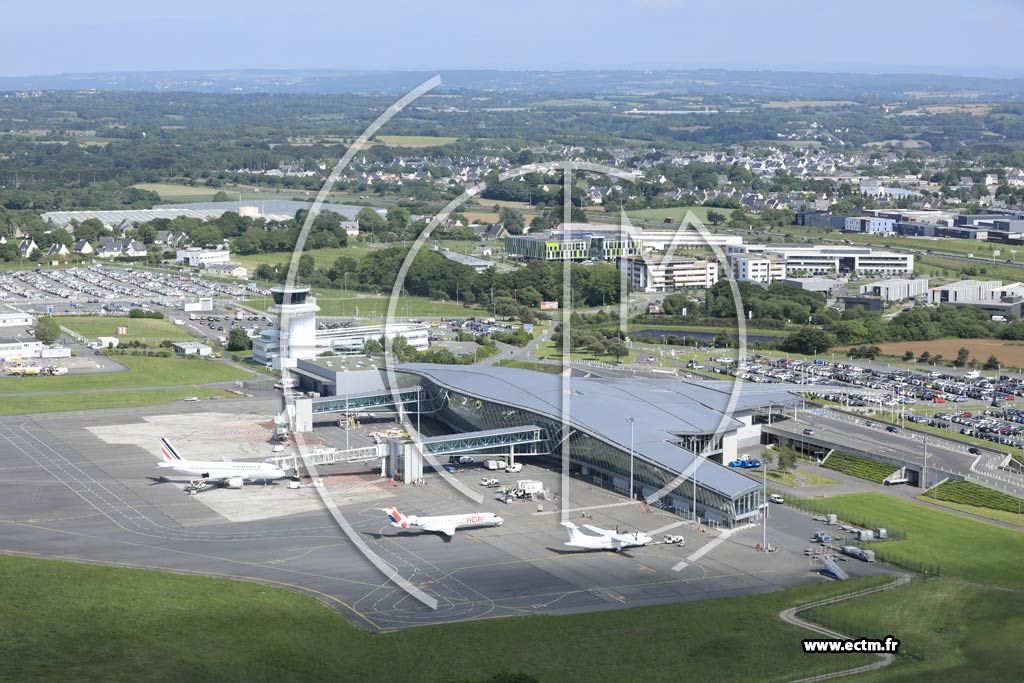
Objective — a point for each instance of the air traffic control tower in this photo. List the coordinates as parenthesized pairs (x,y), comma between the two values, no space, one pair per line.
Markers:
(296,311)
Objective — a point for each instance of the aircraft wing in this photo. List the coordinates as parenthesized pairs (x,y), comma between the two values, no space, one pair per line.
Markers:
(446,529)
(600,531)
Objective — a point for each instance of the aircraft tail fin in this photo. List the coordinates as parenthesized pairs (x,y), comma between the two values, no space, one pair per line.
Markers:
(167,451)
(396,517)
(574,533)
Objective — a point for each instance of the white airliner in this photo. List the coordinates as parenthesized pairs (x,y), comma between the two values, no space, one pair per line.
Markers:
(227,473)
(446,524)
(606,538)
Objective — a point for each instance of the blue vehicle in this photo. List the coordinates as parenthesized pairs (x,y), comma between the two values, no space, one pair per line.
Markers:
(745,462)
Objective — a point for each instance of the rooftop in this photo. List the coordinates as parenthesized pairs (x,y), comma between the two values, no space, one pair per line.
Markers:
(663,410)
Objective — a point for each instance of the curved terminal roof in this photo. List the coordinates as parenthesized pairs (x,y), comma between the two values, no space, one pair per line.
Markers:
(664,410)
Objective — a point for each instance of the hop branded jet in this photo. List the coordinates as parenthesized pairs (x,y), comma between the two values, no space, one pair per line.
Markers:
(445,524)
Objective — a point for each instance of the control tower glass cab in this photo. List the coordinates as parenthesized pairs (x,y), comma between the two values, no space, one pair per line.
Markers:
(293,295)
(296,312)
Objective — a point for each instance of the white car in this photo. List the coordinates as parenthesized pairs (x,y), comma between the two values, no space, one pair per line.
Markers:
(189,399)
(776,498)
(514,467)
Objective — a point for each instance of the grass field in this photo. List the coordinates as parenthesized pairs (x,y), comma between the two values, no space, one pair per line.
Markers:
(414,140)
(677,213)
(963,548)
(96,623)
(323,258)
(856,466)
(1009,354)
(49,403)
(974,495)
(553,351)
(800,478)
(527,365)
(996,515)
(334,303)
(960,633)
(142,372)
(139,329)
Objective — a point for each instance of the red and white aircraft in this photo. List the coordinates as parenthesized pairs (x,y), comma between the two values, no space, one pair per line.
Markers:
(445,524)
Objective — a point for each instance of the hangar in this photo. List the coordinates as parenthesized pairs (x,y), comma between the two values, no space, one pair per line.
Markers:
(664,423)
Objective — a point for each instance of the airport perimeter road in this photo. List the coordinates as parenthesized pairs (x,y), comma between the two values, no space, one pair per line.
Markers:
(835,430)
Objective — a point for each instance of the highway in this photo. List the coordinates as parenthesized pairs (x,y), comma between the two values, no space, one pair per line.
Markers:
(837,430)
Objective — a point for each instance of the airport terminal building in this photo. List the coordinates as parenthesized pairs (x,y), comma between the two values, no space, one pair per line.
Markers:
(665,423)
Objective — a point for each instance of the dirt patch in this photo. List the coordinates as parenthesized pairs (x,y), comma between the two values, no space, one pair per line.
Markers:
(1010,354)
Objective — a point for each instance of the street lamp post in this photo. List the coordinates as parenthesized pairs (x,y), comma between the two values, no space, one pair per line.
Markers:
(632,422)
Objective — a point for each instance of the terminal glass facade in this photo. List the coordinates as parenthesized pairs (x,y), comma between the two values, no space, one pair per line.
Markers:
(590,457)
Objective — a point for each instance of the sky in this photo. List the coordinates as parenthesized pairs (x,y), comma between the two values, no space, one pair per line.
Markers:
(871,36)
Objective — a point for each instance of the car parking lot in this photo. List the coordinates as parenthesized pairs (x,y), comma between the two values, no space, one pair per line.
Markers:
(106,287)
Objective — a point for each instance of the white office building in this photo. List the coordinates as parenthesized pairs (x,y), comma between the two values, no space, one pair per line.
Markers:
(870,225)
(757,268)
(897,289)
(201,258)
(807,260)
(668,274)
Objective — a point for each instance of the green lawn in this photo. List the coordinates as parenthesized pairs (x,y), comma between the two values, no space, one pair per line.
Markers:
(322,258)
(527,365)
(800,478)
(997,515)
(975,495)
(957,632)
(963,548)
(857,466)
(25,405)
(143,372)
(677,213)
(334,303)
(139,329)
(553,351)
(96,623)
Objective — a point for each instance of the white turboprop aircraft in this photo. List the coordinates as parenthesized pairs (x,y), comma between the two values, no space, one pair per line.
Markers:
(446,524)
(227,473)
(606,538)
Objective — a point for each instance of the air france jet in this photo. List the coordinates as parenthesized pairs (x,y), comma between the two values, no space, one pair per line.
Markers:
(227,473)
(446,524)
(606,538)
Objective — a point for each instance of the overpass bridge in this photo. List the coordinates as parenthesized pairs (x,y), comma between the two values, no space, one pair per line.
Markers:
(927,458)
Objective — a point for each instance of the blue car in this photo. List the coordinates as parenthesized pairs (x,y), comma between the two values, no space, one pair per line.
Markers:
(746,463)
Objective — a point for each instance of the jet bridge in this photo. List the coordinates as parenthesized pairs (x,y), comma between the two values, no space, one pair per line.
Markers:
(505,443)
(382,401)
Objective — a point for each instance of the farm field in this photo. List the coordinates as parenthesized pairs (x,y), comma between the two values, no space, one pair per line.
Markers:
(84,618)
(50,403)
(139,329)
(856,466)
(1009,354)
(414,140)
(796,104)
(143,371)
